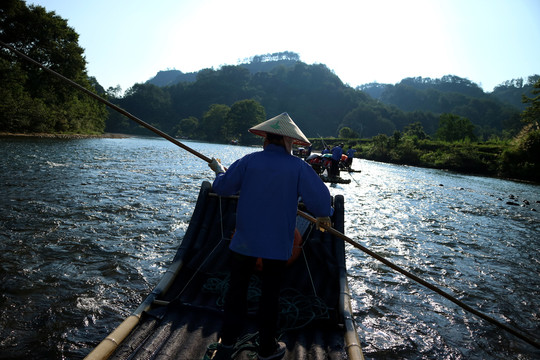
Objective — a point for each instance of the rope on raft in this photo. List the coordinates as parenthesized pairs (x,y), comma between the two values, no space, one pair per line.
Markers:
(297,309)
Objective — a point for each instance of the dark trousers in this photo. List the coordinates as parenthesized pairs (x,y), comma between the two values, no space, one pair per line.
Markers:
(236,304)
(334,168)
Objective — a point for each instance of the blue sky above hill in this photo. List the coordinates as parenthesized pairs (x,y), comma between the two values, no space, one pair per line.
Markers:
(485,41)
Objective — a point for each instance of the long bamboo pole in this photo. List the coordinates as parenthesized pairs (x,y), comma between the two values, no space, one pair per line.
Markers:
(304,215)
(342,236)
(108,103)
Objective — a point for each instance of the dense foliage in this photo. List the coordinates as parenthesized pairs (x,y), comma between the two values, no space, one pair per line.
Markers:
(522,159)
(311,94)
(455,147)
(31,100)
(512,91)
(493,114)
(455,128)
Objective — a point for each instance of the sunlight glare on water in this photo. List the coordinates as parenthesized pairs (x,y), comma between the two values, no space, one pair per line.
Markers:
(458,233)
(89,226)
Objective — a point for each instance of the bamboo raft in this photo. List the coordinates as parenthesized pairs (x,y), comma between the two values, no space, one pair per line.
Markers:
(181,317)
(334,180)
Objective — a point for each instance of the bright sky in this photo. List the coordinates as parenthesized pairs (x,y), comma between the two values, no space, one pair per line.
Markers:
(362,41)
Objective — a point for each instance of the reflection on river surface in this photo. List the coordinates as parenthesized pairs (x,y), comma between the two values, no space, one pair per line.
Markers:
(89,225)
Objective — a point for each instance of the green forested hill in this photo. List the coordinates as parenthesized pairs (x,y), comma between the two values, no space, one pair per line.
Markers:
(188,104)
(171,77)
(512,91)
(314,96)
(319,101)
(255,64)
(491,113)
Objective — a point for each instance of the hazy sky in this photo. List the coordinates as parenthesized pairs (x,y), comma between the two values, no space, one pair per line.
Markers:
(485,41)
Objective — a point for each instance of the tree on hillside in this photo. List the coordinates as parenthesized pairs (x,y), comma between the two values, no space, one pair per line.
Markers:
(455,128)
(380,148)
(213,123)
(48,104)
(347,133)
(531,114)
(150,103)
(243,115)
(512,91)
(369,120)
(523,159)
(415,131)
(285,55)
(428,120)
(187,128)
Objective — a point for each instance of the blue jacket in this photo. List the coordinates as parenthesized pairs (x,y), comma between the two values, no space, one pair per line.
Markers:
(270,183)
(337,151)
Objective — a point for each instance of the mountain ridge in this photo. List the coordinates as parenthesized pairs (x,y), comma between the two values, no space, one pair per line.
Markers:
(509,92)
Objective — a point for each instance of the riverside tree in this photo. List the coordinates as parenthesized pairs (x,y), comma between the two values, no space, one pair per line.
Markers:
(531,114)
(243,115)
(213,122)
(455,128)
(33,100)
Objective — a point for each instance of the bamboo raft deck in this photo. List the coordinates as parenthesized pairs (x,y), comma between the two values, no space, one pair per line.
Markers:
(182,316)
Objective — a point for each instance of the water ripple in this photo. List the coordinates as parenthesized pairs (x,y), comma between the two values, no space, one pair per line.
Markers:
(89,226)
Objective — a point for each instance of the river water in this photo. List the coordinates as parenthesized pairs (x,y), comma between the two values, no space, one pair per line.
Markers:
(89,225)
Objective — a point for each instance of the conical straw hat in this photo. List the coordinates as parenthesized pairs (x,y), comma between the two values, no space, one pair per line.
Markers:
(281,125)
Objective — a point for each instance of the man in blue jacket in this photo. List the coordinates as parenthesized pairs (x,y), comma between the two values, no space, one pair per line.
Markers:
(270,182)
(337,151)
(350,156)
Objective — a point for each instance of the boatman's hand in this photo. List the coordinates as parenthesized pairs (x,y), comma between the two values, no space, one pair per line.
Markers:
(323,221)
(215,165)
